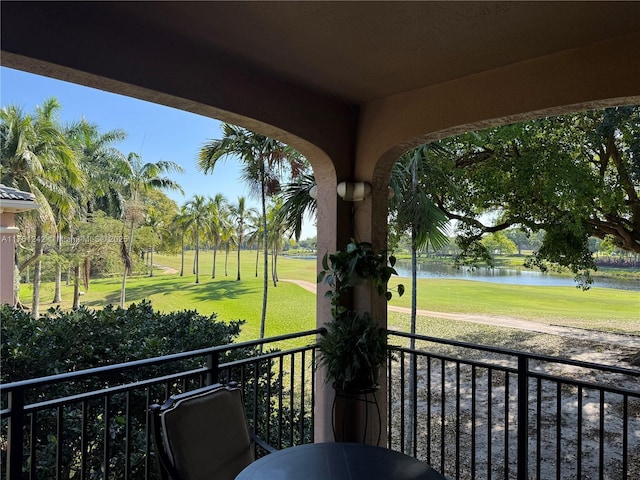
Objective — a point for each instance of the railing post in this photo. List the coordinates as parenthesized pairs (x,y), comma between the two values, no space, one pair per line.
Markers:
(523,416)
(213,370)
(15,429)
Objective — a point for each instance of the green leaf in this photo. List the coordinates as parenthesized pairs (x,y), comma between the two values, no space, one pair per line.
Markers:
(325,262)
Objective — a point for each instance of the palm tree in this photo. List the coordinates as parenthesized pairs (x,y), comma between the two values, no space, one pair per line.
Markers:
(155,223)
(197,219)
(263,159)
(137,178)
(36,158)
(298,203)
(218,215)
(101,163)
(227,239)
(179,224)
(240,214)
(255,236)
(414,210)
(277,229)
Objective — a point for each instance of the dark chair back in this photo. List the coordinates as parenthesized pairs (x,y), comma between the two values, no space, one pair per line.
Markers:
(202,434)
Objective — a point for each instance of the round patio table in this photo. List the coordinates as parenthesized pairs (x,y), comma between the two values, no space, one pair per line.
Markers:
(338,461)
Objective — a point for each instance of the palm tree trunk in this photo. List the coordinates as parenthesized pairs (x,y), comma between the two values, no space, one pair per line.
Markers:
(57,295)
(37,273)
(182,261)
(127,267)
(151,262)
(257,258)
(215,254)
(226,261)
(197,259)
(274,265)
(239,242)
(414,270)
(123,287)
(16,284)
(87,272)
(265,240)
(76,285)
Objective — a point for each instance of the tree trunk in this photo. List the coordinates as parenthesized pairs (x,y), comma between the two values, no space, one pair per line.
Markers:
(215,254)
(265,239)
(151,262)
(127,267)
(226,261)
(197,259)
(257,258)
(37,272)
(239,242)
(57,294)
(274,265)
(76,285)
(123,287)
(182,261)
(16,281)
(410,427)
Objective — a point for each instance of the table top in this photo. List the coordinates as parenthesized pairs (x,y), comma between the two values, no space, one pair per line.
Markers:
(338,461)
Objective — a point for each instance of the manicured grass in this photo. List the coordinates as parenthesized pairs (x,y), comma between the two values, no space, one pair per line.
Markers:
(597,308)
(291,308)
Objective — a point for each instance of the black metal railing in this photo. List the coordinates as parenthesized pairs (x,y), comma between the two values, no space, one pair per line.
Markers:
(471,411)
(95,424)
(477,412)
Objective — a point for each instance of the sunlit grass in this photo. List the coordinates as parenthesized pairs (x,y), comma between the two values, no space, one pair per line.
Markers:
(561,305)
(291,308)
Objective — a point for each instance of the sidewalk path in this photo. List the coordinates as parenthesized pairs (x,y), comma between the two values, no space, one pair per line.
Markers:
(631,341)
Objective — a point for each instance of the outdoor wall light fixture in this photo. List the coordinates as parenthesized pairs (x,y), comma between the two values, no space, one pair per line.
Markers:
(354,191)
(348,191)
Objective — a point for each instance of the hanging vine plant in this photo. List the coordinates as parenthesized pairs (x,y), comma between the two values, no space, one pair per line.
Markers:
(354,346)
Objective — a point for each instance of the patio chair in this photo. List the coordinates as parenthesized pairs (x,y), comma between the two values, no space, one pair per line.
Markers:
(203,434)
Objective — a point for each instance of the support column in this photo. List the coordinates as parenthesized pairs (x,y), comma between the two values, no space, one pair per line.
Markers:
(370,219)
(334,223)
(8,232)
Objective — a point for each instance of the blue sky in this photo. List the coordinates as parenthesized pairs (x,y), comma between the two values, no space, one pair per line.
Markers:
(154,131)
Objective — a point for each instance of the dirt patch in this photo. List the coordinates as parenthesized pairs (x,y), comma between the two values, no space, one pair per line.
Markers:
(166,270)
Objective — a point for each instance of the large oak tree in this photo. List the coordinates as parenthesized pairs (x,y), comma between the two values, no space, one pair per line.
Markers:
(573,177)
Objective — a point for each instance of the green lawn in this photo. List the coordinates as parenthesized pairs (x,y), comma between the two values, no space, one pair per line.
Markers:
(291,308)
(598,308)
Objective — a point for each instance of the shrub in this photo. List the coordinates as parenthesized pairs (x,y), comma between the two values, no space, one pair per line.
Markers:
(64,341)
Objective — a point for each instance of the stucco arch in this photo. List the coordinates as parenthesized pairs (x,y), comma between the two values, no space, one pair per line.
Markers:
(352,85)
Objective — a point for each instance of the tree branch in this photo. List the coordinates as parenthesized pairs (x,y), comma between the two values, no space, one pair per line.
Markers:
(474,158)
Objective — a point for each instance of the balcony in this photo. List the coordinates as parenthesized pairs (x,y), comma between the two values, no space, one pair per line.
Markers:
(470,411)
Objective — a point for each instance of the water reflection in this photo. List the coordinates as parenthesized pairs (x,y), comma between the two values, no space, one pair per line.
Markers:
(506,276)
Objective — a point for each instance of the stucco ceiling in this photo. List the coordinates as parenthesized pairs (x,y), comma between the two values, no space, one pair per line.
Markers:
(361,51)
(353,51)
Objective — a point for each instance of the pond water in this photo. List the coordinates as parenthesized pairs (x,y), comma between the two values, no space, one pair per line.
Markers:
(506,275)
(510,276)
